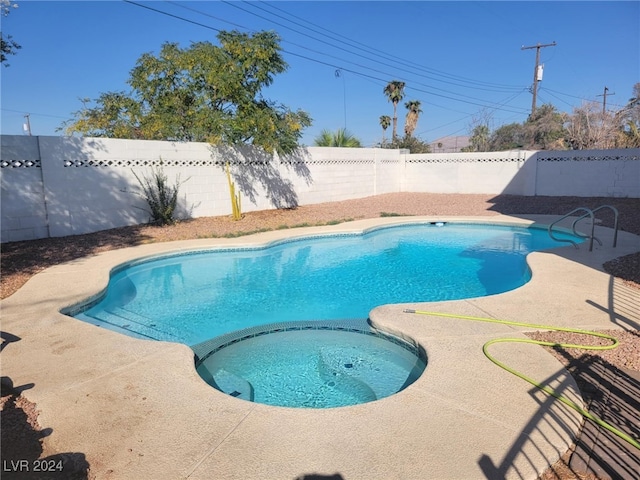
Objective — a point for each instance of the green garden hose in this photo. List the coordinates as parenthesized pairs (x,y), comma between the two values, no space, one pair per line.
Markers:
(544,388)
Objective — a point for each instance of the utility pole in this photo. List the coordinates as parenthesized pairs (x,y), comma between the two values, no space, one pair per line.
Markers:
(537,76)
(27,125)
(604,99)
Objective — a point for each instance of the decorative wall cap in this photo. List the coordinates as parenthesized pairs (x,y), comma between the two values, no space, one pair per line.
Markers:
(575,157)
(20,163)
(139,162)
(463,160)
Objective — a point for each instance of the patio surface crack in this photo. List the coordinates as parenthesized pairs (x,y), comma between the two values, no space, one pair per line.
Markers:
(213,449)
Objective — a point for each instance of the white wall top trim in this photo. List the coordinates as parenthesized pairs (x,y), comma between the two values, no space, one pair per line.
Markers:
(588,155)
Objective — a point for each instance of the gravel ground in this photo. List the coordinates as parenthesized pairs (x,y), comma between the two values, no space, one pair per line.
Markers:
(21,260)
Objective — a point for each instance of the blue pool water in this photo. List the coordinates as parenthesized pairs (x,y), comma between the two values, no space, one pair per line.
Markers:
(310,366)
(190,298)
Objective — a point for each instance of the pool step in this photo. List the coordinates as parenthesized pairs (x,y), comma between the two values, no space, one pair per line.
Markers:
(227,382)
(379,375)
(122,321)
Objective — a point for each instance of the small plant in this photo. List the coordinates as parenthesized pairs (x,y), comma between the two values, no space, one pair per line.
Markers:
(243,234)
(161,197)
(236,208)
(392,214)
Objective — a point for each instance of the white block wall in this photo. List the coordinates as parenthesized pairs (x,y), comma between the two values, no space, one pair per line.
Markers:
(58,186)
(485,172)
(595,173)
(24,214)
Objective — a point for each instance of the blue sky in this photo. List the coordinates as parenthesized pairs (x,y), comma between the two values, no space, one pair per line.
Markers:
(462,60)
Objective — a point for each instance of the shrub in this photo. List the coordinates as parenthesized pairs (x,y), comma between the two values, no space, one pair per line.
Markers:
(161,197)
(413,144)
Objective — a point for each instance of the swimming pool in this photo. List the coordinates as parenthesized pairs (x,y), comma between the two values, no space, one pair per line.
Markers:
(195,296)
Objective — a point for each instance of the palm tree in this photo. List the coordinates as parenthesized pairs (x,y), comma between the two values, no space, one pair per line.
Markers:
(411,121)
(479,140)
(340,138)
(385,121)
(395,93)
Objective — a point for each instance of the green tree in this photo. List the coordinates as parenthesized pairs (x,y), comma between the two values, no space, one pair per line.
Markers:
(394,90)
(413,144)
(7,45)
(204,93)
(411,120)
(544,129)
(119,116)
(340,138)
(385,121)
(507,137)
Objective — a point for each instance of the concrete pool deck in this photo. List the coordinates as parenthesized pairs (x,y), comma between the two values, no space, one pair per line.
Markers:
(136,409)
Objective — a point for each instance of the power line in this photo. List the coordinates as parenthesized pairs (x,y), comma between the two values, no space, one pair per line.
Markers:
(393,58)
(172,15)
(547,90)
(343,49)
(21,112)
(583,99)
(474,102)
(446,125)
(333,66)
(507,100)
(181,5)
(384,82)
(566,94)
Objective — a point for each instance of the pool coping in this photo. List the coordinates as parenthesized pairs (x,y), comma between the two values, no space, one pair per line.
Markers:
(137,408)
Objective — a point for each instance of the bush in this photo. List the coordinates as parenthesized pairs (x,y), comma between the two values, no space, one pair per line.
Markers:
(161,197)
(413,144)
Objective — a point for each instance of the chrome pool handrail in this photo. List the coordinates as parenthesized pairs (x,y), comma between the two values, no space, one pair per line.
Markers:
(589,213)
(615,221)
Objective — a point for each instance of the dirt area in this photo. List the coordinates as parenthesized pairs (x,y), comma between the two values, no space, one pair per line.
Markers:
(21,443)
(21,434)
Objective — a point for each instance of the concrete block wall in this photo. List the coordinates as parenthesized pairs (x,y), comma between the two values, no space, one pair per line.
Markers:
(480,172)
(596,173)
(389,170)
(335,174)
(345,173)
(57,186)
(24,212)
